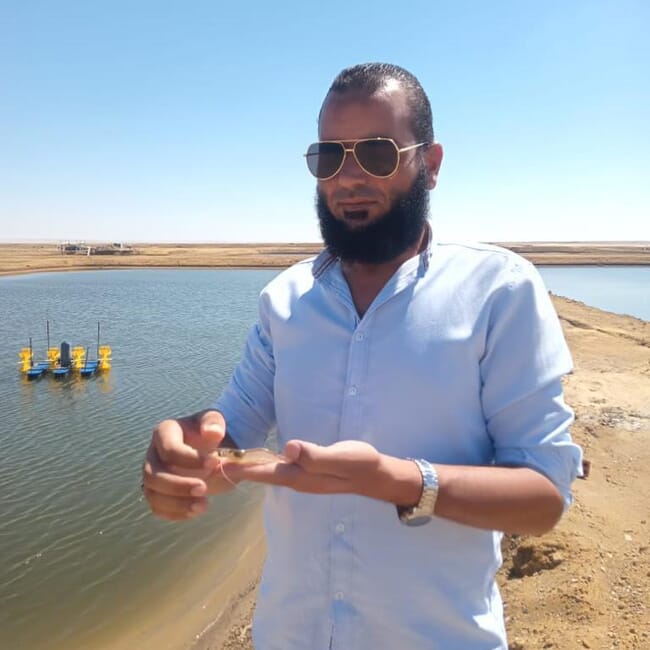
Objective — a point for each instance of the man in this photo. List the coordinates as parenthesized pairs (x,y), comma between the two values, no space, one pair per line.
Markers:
(408,382)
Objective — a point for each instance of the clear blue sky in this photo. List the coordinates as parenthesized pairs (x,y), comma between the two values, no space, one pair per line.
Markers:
(147,120)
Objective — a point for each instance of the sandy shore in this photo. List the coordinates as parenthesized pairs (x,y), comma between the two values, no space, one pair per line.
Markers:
(31,258)
(590,578)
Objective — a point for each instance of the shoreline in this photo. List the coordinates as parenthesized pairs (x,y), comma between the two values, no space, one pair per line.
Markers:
(20,259)
(213,601)
(592,573)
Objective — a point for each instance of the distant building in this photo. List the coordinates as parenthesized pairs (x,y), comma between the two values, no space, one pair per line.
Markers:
(116,248)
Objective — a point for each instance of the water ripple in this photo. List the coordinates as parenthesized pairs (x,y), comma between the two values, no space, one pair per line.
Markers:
(76,540)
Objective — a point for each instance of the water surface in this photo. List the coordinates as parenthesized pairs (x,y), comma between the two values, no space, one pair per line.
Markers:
(79,551)
(620,289)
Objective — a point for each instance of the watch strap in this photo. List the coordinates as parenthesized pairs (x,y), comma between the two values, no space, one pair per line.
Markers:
(422,511)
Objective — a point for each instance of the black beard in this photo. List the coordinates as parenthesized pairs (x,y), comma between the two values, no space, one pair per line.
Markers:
(384,239)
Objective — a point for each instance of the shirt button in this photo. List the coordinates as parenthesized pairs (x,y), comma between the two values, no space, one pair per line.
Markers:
(353,390)
(359,336)
(339,528)
(338,595)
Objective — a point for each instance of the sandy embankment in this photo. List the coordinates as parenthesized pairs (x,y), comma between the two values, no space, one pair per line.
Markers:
(31,258)
(586,584)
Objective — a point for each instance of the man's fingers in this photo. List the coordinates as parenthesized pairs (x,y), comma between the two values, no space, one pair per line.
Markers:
(315,459)
(173,485)
(174,474)
(168,440)
(204,431)
(174,508)
(271,473)
(344,459)
(181,456)
(219,482)
(212,426)
(288,475)
(157,478)
(171,496)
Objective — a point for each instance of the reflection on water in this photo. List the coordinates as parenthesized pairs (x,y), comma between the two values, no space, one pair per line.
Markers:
(73,383)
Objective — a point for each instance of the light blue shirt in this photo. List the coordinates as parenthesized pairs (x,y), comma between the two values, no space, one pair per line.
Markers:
(458,360)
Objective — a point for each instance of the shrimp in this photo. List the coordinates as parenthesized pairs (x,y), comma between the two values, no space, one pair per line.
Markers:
(253,456)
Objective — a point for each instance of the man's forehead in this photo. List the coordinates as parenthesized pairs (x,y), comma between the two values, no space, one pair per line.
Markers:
(391,92)
(387,106)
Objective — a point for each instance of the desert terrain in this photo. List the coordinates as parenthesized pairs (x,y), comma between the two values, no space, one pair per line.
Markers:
(39,257)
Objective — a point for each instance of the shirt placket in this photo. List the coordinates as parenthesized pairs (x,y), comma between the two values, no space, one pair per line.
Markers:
(342,513)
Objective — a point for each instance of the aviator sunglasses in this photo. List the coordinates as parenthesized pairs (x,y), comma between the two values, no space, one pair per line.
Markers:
(378,157)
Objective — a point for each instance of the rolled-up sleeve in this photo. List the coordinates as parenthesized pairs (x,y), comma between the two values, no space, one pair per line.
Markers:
(247,401)
(525,358)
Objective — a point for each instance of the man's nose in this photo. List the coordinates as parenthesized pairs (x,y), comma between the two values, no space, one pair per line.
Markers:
(351,170)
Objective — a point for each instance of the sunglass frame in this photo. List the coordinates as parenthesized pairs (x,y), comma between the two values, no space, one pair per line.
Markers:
(352,150)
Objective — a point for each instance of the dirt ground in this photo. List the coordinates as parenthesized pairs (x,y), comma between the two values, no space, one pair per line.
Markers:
(31,258)
(587,583)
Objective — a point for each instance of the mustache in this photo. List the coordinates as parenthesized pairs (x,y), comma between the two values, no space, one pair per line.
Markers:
(346,195)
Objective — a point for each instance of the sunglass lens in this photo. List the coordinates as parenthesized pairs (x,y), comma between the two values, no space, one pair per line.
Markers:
(324,158)
(377,157)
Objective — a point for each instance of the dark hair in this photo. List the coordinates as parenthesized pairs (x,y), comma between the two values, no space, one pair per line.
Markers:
(371,77)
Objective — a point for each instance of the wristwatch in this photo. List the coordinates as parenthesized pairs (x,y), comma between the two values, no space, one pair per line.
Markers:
(422,512)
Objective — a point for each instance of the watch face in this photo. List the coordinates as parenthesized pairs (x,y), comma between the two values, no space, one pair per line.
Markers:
(417,521)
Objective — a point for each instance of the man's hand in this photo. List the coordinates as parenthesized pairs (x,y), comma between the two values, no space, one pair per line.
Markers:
(349,466)
(176,479)
(511,499)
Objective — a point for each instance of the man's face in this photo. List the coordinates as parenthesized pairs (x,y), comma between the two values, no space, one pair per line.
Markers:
(358,213)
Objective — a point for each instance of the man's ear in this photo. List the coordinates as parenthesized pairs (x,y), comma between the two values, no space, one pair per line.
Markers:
(433,160)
